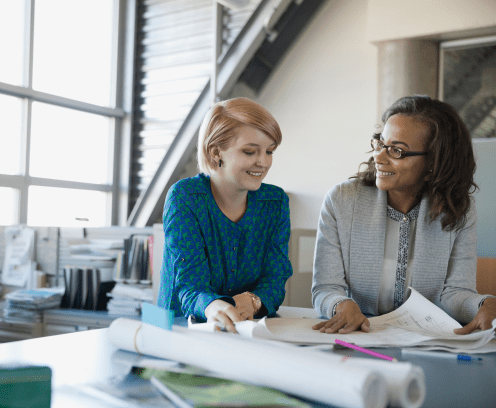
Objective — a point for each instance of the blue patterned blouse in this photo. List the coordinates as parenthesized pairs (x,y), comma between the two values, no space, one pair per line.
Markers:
(208,257)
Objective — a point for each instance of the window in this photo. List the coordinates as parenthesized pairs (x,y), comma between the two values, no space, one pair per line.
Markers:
(61,111)
(469,83)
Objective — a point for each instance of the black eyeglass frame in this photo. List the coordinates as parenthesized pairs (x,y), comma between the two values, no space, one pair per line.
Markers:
(403,153)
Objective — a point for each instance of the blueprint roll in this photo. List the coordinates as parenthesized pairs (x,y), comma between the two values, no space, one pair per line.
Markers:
(405,382)
(300,372)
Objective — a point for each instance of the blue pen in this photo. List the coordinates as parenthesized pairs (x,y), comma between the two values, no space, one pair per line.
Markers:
(426,353)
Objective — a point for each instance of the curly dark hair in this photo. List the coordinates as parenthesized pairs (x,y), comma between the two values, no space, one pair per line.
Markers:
(450,181)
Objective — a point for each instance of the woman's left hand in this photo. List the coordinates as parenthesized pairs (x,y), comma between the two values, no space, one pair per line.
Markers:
(483,318)
(244,306)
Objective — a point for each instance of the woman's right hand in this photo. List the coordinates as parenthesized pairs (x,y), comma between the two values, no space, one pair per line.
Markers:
(223,312)
(348,318)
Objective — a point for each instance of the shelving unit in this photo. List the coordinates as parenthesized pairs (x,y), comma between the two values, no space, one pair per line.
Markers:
(52,254)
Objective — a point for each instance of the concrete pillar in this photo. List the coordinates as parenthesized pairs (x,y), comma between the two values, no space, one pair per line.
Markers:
(406,67)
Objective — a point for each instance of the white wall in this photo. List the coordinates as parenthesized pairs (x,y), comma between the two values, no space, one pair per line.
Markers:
(442,19)
(324,96)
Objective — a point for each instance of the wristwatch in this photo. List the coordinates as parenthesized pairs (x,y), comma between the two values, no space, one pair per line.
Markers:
(256,302)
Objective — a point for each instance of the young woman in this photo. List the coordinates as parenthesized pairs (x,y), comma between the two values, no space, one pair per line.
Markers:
(407,220)
(227,233)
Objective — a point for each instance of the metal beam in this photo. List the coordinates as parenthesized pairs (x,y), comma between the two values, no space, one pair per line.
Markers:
(149,204)
(38,96)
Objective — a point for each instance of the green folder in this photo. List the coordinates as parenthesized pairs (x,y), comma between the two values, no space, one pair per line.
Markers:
(22,387)
(196,390)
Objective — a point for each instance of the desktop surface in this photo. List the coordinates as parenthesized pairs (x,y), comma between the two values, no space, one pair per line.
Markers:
(88,357)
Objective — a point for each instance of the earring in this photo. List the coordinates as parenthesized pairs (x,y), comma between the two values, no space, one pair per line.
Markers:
(220,163)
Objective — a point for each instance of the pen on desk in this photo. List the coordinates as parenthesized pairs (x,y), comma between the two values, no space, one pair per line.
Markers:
(361,349)
(444,354)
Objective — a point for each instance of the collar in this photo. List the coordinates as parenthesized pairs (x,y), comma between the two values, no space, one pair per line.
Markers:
(398,216)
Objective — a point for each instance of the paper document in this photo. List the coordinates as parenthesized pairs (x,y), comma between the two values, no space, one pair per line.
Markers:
(19,256)
(418,322)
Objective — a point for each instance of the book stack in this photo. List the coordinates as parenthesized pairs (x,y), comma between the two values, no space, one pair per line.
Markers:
(28,305)
(126,299)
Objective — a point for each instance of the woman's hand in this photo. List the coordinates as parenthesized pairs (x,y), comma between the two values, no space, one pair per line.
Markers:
(223,312)
(483,318)
(348,318)
(244,306)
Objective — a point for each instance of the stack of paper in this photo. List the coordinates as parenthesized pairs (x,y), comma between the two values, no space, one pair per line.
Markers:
(127,299)
(19,265)
(28,305)
(95,249)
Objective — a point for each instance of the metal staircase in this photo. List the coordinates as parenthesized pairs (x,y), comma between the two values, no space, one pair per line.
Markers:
(231,62)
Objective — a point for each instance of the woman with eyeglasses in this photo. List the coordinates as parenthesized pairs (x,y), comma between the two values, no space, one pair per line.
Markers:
(407,220)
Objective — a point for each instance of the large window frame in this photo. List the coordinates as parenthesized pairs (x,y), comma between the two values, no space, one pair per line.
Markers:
(455,45)
(120,114)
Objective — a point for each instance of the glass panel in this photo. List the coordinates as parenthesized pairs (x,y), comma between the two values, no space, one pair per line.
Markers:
(469,84)
(73,49)
(65,207)
(69,145)
(10,134)
(11,41)
(9,197)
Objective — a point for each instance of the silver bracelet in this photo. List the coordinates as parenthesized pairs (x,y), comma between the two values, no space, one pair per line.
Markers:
(335,306)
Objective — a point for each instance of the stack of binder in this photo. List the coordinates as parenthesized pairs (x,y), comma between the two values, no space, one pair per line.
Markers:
(134,262)
(95,267)
(85,289)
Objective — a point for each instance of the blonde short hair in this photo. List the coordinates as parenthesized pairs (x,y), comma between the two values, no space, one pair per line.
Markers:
(221,122)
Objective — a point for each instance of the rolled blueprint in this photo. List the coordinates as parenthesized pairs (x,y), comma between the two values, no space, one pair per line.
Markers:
(405,382)
(304,373)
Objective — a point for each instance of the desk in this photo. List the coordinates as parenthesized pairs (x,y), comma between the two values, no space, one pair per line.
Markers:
(88,357)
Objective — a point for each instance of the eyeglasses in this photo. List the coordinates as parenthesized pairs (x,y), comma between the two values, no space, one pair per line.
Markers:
(393,151)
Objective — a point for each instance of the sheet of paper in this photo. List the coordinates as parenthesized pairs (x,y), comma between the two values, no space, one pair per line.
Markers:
(19,252)
(417,321)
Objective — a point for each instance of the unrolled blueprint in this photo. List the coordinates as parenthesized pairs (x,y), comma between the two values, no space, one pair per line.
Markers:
(418,322)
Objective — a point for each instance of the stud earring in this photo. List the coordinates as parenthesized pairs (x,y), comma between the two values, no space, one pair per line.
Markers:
(220,163)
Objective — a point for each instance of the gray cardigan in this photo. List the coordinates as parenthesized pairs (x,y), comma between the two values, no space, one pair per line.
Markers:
(349,255)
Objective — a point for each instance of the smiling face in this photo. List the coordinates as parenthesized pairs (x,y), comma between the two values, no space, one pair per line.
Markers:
(402,178)
(247,160)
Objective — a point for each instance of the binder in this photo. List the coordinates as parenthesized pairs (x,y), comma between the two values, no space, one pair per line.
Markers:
(103,299)
(85,289)
(89,302)
(65,303)
(146,261)
(142,259)
(78,289)
(118,275)
(96,287)
(73,286)
(125,259)
(134,261)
